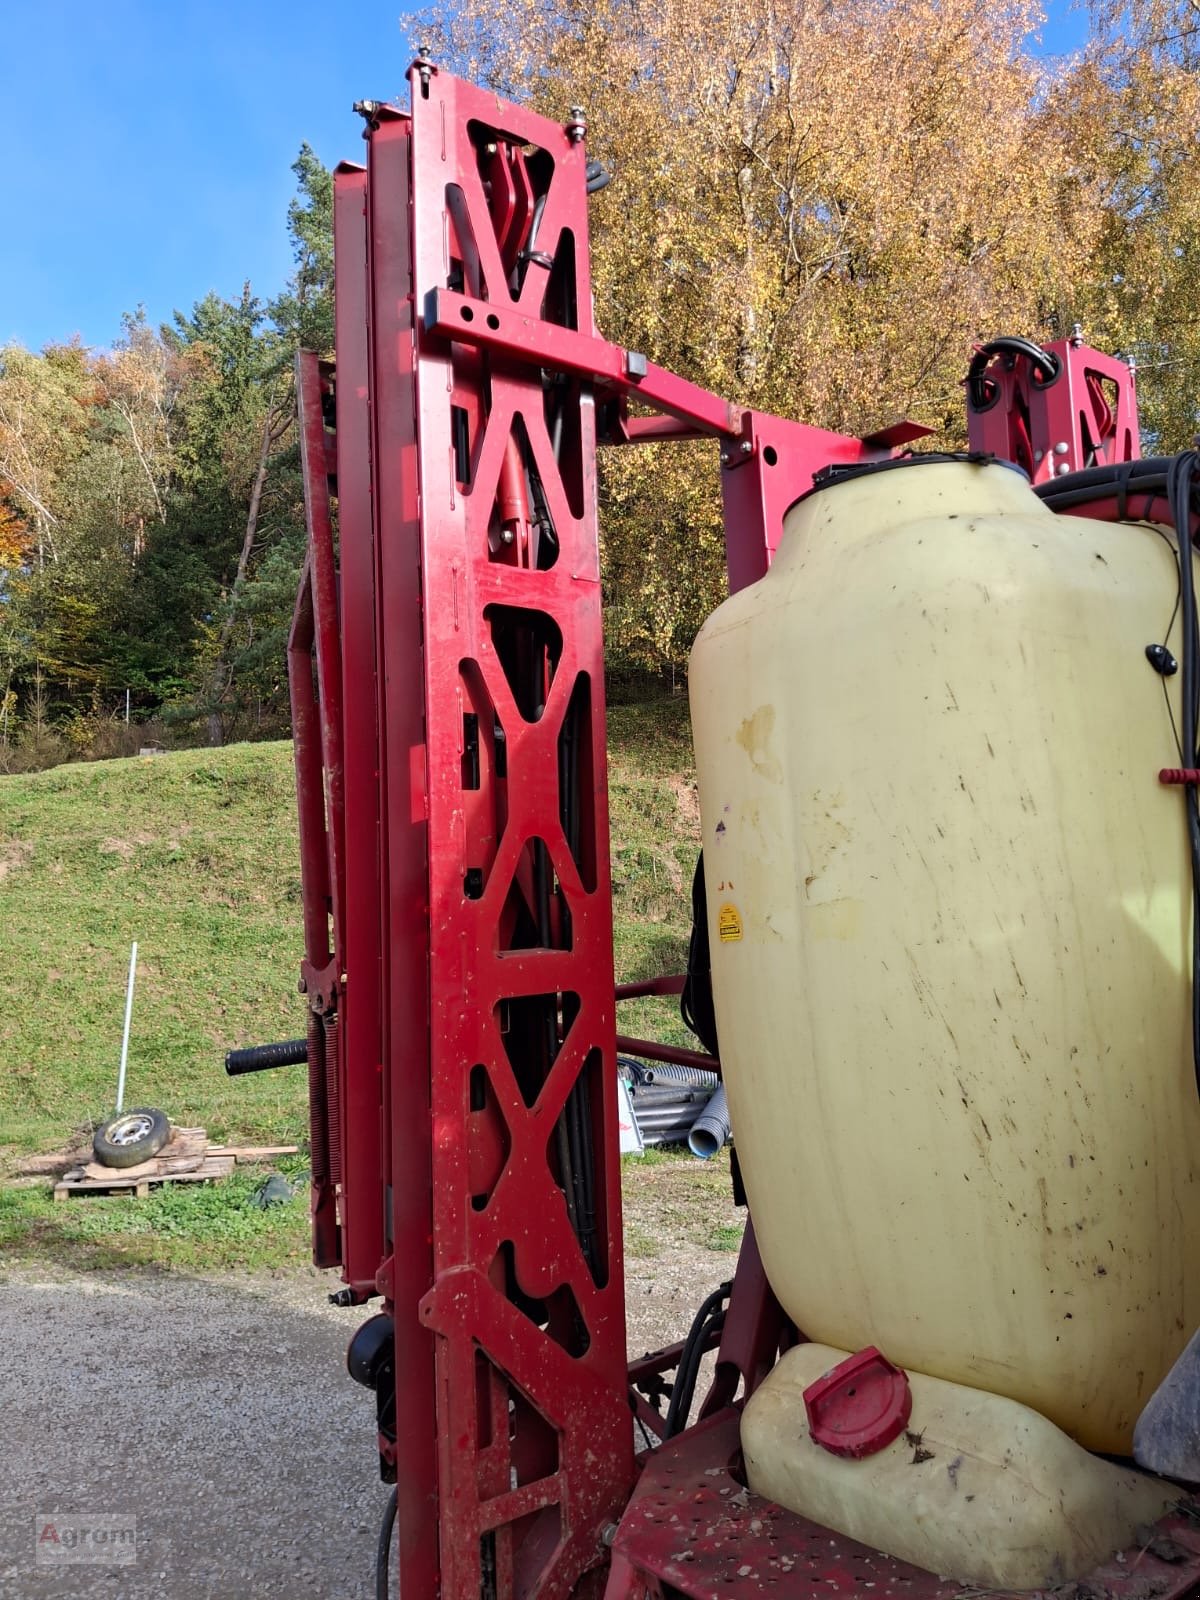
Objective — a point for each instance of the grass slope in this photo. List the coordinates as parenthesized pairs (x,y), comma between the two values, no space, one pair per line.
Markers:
(194,854)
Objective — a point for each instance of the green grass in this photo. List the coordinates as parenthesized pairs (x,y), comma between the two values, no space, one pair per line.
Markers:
(187,1226)
(654,1155)
(726,1236)
(194,854)
(654,824)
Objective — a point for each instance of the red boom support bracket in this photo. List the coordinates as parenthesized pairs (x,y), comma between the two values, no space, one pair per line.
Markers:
(1052,409)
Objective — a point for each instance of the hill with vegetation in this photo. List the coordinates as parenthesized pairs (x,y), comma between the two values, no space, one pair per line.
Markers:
(815,211)
(194,855)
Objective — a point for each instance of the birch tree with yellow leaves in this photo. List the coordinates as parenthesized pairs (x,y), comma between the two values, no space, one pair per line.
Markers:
(816,209)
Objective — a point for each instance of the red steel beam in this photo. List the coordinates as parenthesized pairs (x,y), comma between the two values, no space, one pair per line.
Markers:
(526,1300)
(404,850)
(362,1200)
(517,334)
(652,987)
(651,1050)
(317,900)
(314,465)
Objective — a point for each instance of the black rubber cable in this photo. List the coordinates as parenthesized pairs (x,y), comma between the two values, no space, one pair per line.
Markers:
(265,1057)
(1108,475)
(1042,360)
(1147,476)
(1172,478)
(684,1387)
(1179,493)
(696,1001)
(683,1390)
(383,1549)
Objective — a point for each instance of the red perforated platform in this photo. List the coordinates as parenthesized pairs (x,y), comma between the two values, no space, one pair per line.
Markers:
(694,1527)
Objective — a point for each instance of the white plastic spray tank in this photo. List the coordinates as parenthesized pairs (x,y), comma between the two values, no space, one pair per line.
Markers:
(949,909)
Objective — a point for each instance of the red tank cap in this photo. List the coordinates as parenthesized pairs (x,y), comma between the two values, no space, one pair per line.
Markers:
(860,1406)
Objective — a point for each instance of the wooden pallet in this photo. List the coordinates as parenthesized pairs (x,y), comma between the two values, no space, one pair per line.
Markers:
(115,1181)
(254,1152)
(186,1158)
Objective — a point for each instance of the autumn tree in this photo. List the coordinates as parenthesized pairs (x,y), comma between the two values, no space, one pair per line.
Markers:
(43,428)
(1130,116)
(141,380)
(151,515)
(245,421)
(816,210)
(62,492)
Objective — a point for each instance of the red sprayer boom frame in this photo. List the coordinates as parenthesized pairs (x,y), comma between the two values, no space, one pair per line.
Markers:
(448,706)
(1052,409)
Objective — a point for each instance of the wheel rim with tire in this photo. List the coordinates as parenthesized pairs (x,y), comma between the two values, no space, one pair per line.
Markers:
(131,1137)
(131,1129)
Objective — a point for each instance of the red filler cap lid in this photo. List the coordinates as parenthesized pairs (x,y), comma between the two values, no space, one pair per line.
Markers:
(860,1406)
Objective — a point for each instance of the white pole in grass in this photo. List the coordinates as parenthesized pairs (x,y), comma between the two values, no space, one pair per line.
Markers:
(128,1020)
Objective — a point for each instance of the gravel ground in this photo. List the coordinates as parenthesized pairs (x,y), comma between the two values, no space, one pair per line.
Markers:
(219,1414)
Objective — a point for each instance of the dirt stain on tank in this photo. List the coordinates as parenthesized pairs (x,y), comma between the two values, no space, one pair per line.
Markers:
(754,736)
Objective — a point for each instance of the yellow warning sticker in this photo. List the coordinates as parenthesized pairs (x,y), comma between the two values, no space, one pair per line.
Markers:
(729,924)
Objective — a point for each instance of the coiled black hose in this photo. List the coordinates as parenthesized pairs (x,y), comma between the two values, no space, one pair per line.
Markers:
(984,392)
(1125,479)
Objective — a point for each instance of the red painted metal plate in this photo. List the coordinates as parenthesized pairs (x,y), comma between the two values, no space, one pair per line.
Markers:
(693,1525)
(1085,417)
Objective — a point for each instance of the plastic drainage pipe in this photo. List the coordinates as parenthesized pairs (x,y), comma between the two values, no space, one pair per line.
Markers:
(672,1072)
(711,1129)
(1166,1437)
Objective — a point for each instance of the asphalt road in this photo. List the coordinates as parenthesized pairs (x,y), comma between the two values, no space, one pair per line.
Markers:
(218,1414)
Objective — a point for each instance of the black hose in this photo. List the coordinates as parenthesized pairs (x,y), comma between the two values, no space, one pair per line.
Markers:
(696,1001)
(264,1057)
(684,1389)
(573,1133)
(384,1548)
(1180,482)
(710,1316)
(1174,479)
(982,395)
(1109,473)
(1147,476)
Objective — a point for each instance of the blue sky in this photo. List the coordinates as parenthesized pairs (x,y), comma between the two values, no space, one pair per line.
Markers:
(147,145)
